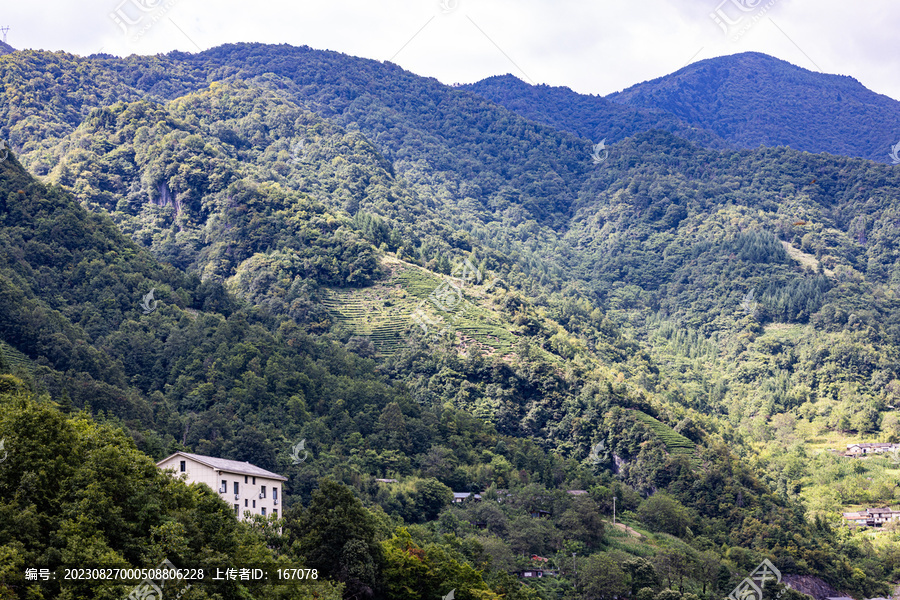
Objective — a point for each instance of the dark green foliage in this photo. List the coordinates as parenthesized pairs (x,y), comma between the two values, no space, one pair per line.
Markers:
(431,496)
(642,574)
(336,535)
(591,117)
(656,313)
(583,522)
(752,99)
(601,578)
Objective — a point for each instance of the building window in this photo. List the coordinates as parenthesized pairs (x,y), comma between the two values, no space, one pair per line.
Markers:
(237,507)
(262,492)
(224,487)
(254,504)
(245,479)
(235,487)
(183,466)
(263,511)
(274,493)
(245,502)
(275,512)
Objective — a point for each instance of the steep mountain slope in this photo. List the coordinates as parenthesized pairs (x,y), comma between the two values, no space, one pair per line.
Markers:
(741,248)
(242,384)
(210,181)
(436,142)
(181,367)
(409,118)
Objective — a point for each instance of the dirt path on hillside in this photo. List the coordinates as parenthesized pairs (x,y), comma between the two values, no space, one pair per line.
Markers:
(628,530)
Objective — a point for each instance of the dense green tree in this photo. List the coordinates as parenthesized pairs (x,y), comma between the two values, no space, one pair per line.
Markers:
(76,492)
(681,306)
(336,535)
(641,573)
(583,522)
(601,578)
(431,496)
(662,512)
(414,572)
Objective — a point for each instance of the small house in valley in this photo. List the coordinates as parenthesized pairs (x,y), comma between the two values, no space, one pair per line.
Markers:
(531,573)
(538,573)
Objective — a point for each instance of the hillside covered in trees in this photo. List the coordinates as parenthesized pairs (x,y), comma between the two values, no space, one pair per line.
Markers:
(746,100)
(427,287)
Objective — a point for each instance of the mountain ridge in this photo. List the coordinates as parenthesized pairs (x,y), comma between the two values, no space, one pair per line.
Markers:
(746,100)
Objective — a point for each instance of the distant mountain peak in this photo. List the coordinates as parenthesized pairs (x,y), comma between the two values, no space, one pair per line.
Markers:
(743,100)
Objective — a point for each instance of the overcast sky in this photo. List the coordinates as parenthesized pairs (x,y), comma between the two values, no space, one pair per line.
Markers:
(593,47)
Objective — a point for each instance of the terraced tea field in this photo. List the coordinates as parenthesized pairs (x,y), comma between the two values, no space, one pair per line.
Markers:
(377,313)
(674,441)
(12,359)
(394,311)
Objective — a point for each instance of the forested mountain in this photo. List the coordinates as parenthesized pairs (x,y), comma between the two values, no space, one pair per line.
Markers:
(668,325)
(587,116)
(745,100)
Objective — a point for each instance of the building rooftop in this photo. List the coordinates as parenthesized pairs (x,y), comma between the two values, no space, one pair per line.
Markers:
(229,466)
(464,495)
(872,444)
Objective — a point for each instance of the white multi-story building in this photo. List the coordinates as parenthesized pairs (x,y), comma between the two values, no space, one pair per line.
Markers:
(249,489)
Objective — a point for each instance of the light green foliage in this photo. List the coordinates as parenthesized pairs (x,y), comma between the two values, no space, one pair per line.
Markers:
(385,312)
(413,572)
